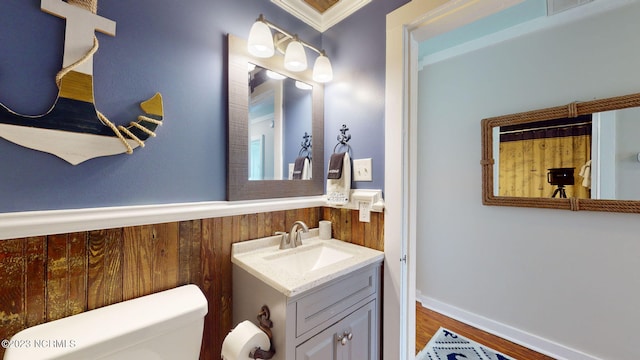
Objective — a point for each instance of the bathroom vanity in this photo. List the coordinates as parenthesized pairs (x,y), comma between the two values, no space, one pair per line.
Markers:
(324,296)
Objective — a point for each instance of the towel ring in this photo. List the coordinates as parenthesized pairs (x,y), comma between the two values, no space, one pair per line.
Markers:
(343,139)
(305,146)
(342,145)
(305,152)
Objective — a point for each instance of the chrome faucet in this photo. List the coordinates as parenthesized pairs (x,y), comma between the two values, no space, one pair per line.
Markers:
(297,240)
(284,240)
(293,238)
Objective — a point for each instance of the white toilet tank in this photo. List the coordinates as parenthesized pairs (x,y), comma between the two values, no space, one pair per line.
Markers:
(167,325)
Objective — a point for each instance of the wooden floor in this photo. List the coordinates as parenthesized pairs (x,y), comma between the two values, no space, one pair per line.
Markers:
(428,322)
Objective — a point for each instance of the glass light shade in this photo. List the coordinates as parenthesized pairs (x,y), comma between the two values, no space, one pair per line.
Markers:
(260,41)
(295,58)
(322,71)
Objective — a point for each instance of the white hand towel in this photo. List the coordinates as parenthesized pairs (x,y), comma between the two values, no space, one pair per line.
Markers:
(338,189)
(585,172)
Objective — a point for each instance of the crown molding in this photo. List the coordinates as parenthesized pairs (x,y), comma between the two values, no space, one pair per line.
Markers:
(316,20)
(542,23)
(456,13)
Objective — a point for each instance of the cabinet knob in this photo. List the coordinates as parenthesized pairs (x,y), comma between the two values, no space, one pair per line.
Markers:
(342,339)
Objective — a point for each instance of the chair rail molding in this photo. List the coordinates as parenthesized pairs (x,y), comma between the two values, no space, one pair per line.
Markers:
(37,223)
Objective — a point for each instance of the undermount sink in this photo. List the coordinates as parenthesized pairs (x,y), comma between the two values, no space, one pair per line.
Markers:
(292,271)
(308,258)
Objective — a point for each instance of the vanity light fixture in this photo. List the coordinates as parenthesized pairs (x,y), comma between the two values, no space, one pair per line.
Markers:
(262,43)
(295,59)
(322,71)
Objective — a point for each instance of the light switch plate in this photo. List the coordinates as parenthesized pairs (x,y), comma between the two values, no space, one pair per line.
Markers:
(362,170)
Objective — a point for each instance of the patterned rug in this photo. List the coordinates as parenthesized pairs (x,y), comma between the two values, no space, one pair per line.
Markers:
(447,345)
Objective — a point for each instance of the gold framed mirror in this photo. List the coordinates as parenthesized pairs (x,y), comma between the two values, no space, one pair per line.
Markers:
(597,168)
(245,145)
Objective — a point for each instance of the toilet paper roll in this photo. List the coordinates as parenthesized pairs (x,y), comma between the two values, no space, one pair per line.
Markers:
(242,339)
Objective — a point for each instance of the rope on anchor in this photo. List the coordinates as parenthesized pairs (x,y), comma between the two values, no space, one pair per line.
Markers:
(143,129)
(132,136)
(101,116)
(80,61)
(92,5)
(150,120)
(117,132)
(137,126)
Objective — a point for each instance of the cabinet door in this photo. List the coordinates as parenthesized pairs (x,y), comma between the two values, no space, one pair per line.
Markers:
(353,338)
(361,331)
(319,347)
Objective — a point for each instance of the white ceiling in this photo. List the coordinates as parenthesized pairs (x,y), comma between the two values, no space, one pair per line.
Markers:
(317,20)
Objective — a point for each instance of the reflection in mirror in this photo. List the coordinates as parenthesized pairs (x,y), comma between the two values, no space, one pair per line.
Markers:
(580,156)
(598,154)
(530,158)
(615,169)
(280,116)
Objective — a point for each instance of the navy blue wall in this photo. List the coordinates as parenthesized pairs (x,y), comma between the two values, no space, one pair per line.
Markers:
(177,48)
(356,96)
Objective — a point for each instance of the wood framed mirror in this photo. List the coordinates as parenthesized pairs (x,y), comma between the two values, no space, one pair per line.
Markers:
(582,156)
(258,164)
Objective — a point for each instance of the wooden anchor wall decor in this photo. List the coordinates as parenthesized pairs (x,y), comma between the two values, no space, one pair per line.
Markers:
(73,129)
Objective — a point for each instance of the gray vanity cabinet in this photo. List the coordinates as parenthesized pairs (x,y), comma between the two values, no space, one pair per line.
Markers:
(337,320)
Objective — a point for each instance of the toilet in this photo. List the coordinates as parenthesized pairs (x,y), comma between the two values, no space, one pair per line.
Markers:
(162,326)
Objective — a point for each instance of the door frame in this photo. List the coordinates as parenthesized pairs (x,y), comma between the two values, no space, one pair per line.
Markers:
(406,27)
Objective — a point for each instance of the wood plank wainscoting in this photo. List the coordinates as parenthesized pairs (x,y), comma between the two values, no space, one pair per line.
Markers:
(45,278)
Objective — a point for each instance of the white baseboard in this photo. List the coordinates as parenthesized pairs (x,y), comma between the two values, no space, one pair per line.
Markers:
(533,342)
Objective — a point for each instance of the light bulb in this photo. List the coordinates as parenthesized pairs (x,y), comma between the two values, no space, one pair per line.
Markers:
(322,71)
(260,41)
(295,58)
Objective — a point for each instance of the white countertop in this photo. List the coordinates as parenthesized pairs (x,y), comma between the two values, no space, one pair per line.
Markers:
(252,257)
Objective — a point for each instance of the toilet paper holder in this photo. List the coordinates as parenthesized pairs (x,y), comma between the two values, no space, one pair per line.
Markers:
(265,324)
